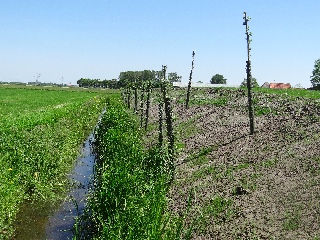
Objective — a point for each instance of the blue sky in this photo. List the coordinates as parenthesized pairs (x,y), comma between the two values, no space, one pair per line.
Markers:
(100,38)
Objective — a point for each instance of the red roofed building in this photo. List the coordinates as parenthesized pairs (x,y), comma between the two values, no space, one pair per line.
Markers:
(280,85)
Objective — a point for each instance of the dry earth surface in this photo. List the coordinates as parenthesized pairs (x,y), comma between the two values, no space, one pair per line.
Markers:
(264,186)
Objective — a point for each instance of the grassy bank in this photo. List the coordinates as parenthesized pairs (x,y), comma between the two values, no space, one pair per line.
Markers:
(129,201)
(40,134)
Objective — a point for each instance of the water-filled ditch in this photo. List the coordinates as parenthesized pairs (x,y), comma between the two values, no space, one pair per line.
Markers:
(47,221)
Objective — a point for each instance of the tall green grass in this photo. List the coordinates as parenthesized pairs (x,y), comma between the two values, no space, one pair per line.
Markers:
(293,92)
(129,200)
(40,135)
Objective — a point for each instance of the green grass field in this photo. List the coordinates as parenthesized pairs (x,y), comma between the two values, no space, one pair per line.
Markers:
(40,134)
(292,92)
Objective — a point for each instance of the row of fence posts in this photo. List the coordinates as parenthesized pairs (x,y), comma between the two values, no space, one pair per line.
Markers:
(164,112)
(164,104)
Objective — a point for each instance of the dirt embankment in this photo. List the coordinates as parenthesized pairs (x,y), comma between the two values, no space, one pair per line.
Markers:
(265,186)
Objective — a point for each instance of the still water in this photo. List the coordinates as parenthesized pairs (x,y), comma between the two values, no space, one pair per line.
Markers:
(39,221)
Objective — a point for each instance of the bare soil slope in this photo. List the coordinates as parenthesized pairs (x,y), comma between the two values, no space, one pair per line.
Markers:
(265,186)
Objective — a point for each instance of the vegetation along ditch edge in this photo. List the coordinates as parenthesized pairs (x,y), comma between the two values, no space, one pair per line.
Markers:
(131,184)
(39,144)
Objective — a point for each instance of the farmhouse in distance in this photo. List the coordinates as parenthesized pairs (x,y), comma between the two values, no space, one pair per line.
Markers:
(276,85)
(209,85)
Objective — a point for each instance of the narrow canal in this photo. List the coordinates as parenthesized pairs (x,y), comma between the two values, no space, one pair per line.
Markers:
(47,221)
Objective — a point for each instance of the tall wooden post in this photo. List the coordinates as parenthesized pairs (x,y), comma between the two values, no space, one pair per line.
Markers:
(190,79)
(248,66)
(135,96)
(148,105)
(169,122)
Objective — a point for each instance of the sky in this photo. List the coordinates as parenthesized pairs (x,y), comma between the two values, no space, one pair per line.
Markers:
(65,40)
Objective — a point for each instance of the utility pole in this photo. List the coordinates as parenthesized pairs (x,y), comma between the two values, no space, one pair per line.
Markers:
(249,34)
(37,77)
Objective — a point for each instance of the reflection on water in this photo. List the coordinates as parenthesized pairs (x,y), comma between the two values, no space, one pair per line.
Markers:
(32,220)
(46,221)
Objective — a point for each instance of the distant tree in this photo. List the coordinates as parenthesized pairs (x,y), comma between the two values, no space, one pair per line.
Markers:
(254,83)
(97,83)
(125,78)
(298,85)
(147,75)
(218,79)
(109,83)
(158,75)
(83,82)
(173,77)
(80,82)
(113,83)
(315,78)
(138,78)
(104,83)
